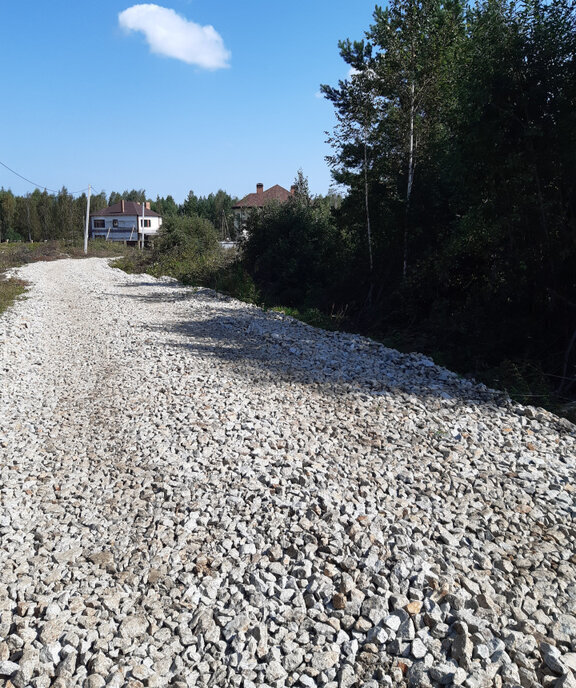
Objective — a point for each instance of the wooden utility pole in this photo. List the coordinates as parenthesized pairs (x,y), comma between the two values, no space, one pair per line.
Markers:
(87,221)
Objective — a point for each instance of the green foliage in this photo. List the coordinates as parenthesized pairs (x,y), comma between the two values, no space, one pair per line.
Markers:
(455,136)
(7,212)
(185,248)
(232,278)
(10,290)
(167,207)
(13,235)
(40,216)
(136,195)
(217,208)
(134,263)
(293,250)
(190,235)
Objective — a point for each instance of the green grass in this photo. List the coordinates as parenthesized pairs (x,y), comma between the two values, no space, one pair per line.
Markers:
(10,290)
(217,270)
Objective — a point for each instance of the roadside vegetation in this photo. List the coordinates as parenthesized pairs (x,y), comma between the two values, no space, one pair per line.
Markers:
(186,248)
(10,290)
(43,226)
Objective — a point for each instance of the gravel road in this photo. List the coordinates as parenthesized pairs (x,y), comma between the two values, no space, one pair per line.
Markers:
(194,492)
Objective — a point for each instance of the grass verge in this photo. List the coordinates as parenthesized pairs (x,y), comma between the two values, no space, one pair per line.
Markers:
(10,290)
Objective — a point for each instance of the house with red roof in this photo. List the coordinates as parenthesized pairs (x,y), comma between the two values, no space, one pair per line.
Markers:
(125,221)
(255,201)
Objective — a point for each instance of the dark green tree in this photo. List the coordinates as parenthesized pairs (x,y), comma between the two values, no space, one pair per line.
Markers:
(7,212)
(456,131)
(63,216)
(136,195)
(187,248)
(26,221)
(293,251)
(44,203)
(98,201)
(115,197)
(190,205)
(390,110)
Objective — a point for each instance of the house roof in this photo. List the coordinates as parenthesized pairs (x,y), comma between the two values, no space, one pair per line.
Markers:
(275,193)
(125,208)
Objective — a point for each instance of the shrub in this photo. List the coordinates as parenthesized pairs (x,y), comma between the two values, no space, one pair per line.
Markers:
(186,248)
(293,253)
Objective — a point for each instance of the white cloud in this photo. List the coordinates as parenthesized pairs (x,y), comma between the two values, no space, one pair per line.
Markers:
(167,33)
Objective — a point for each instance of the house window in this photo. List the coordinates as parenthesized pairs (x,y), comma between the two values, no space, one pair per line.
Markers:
(99,224)
(114,223)
(145,223)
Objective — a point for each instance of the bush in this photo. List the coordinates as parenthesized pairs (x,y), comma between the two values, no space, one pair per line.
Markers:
(293,253)
(12,235)
(186,248)
(234,279)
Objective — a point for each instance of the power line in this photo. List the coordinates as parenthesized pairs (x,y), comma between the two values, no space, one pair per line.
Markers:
(39,186)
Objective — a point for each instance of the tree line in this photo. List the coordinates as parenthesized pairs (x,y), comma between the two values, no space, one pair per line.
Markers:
(455,145)
(41,216)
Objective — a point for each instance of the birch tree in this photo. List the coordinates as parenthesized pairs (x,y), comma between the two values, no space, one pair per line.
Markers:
(414,47)
(356,113)
(390,106)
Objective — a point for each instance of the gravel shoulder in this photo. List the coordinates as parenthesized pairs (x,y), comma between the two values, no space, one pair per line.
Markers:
(194,492)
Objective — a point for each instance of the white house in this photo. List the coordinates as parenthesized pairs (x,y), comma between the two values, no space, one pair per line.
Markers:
(125,221)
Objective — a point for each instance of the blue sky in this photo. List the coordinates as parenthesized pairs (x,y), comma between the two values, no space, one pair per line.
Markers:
(90,97)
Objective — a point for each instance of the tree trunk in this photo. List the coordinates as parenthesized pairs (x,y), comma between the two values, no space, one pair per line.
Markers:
(564,378)
(368,228)
(410,176)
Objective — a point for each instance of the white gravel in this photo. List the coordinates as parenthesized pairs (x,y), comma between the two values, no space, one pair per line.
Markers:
(194,492)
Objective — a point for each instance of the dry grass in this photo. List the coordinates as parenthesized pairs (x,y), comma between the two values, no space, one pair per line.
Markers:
(10,289)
